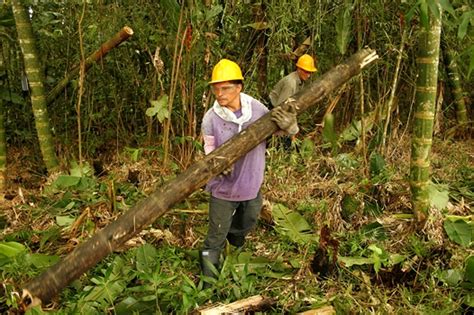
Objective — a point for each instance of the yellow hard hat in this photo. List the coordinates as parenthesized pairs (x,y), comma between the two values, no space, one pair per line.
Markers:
(306,62)
(226,70)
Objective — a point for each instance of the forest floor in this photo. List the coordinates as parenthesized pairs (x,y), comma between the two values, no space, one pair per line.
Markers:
(335,231)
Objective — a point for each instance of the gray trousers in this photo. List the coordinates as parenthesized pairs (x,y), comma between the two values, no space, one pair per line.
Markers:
(230,217)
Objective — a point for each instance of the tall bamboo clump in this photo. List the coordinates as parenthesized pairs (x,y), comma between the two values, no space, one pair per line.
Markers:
(425,102)
(35,79)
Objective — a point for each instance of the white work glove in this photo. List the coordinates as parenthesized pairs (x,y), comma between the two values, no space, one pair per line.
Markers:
(286,120)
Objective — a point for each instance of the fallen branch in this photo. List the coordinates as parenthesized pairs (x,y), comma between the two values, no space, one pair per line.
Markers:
(104,49)
(105,241)
(253,303)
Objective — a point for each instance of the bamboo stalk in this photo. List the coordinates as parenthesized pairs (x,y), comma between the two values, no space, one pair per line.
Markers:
(104,49)
(36,80)
(104,242)
(390,102)
(422,136)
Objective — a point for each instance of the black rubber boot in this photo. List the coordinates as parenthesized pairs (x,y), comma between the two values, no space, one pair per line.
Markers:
(206,259)
(236,240)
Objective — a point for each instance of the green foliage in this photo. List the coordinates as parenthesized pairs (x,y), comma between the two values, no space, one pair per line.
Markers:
(377,257)
(344,26)
(459,232)
(292,225)
(438,195)
(159,108)
(329,135)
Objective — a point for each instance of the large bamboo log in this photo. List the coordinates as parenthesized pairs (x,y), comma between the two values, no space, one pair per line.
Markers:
(89,253)
(104,49)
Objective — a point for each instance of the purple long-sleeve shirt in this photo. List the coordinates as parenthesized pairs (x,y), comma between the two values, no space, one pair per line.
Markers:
(247,175)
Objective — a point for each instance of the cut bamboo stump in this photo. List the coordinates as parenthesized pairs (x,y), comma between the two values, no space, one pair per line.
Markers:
(88,254)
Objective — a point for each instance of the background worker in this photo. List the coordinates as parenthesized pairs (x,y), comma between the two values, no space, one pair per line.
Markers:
(293,82)
(236,200)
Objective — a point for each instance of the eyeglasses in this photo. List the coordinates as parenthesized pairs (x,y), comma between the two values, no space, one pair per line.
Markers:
(226,89)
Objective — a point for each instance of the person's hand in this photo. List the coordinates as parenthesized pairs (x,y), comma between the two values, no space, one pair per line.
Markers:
(286,119)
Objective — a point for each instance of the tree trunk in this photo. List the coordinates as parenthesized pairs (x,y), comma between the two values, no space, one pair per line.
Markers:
(3,149)
(86,255)
(35,76)
(425,102)
(104,49)
(455,82)
(261,49)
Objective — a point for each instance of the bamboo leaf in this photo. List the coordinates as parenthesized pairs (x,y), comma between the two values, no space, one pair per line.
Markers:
(446,6)
(465,20)
(434,8)
(424,15)
(471,62)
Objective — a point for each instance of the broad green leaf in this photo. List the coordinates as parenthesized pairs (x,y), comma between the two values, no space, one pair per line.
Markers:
(451,277)
(78,171)
(11,249)
(377,250)
(10,96)
(439,196)
(359,261)
(41,260)
(469,298)
(213,12)
(292,225)
(395,259)
(35,311)
(159,108)
(63,220)
(469,270)
(146,258)
(459,232)
(307,149)
(377,164)
(65,181)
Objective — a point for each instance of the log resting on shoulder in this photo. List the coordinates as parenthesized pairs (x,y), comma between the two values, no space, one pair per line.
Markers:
(44,287)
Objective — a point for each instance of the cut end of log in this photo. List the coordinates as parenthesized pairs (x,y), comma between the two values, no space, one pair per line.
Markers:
(128,30)
(28,300)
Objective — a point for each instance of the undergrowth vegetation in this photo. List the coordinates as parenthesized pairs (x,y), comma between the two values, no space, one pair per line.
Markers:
(330,234)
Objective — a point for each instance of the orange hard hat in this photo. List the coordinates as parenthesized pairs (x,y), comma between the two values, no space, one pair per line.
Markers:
(306,62)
